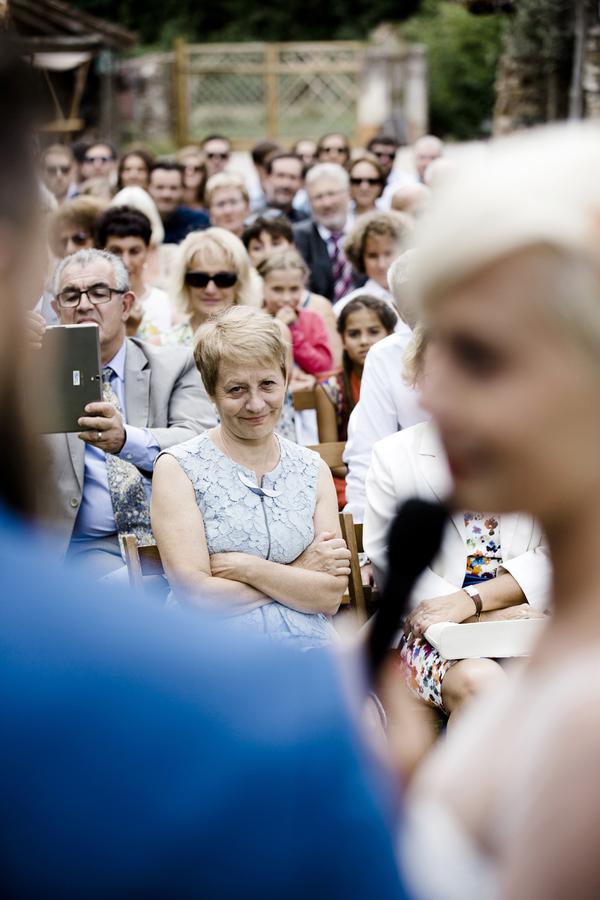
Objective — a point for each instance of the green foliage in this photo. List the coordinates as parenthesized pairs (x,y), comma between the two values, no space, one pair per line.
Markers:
(543,30)
(159,21)
(463,53)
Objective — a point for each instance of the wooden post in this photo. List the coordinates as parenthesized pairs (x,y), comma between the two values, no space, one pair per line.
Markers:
(180,81)
(271,92)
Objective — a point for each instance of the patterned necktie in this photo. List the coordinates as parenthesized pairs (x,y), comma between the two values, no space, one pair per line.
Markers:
(126,483)
(340,267)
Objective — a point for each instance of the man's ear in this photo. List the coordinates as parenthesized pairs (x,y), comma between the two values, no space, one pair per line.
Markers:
(55,307)
(128,301)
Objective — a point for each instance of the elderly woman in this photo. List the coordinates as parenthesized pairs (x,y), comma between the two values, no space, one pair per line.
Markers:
(509,804)
(497,560)
(242,517)
(211,272)
(374,242)
(367,182)
(228,202)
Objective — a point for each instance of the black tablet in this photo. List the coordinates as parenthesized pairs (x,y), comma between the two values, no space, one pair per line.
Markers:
(68,377)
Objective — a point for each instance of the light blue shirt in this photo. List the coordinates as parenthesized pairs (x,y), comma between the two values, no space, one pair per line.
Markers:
(96,518)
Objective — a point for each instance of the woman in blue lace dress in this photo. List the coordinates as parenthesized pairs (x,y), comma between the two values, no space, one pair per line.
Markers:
(244,518)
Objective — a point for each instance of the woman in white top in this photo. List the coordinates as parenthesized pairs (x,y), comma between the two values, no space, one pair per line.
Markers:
(485,558)
(508,277)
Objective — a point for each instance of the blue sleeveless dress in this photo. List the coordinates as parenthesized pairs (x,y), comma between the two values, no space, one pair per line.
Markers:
(273,521)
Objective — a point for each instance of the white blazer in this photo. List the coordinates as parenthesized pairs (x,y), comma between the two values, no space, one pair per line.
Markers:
(412,463)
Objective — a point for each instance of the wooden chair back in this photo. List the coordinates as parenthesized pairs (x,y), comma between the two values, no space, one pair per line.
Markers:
(140,561)
(304,400)
(331,452)
(352,534)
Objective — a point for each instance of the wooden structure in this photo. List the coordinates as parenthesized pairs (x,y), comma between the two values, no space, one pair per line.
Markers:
(64,43)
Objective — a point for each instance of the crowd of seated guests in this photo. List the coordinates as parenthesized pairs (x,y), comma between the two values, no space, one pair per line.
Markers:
(303,247)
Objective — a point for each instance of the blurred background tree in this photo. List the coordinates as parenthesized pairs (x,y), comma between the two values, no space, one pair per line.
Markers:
(158,22)
(463,52)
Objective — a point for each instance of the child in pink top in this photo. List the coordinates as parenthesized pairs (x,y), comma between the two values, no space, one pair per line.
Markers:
(284,274)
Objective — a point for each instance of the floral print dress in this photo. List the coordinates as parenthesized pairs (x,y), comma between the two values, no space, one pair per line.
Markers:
(423,667)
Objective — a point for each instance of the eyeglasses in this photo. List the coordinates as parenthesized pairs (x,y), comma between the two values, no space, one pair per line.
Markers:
(219,279)
(54,170)
(96,294)
(384,154)
(372,181)
(80,239)
(217,155)
(98,159)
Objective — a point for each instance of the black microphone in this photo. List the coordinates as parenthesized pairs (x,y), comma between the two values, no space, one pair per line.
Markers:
(414,539)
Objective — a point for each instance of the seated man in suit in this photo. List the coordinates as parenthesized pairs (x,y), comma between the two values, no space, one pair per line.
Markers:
(153,398)
(320,239)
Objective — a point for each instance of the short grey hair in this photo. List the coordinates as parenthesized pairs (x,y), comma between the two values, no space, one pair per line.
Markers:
(87,257)
(327,170)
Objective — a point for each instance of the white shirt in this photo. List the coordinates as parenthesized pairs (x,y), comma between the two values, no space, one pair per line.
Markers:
(386,405)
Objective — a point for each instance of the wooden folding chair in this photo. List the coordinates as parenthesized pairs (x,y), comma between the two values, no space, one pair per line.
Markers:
(331,452)
(140,561)
(304,400)
(352,534)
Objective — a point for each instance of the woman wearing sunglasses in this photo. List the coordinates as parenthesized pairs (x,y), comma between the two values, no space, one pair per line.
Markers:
(211,272)
(366,183)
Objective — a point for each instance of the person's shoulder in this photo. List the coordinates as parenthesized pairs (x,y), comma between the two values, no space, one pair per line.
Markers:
(190,216)
(171,356)
(391,346)
(198,446)
(298,452)
(304,228)
(413,439)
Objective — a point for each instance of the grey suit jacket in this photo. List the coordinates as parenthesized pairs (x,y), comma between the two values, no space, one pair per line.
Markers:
(163,392)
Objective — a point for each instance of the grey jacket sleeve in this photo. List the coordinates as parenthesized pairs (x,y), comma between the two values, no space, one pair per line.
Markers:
(189,408)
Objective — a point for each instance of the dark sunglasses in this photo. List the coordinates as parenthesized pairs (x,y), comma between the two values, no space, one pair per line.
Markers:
(54,170)
(384,154)
(372,181)
(217,155)
(79,239)
(219,279)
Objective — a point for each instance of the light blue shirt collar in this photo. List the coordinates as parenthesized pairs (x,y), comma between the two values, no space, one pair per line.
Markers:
(117,363)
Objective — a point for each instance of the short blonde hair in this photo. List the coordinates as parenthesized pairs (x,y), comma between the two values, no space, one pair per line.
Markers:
(539,189)
(239,335)
(246,289)
(412,361)
(374,224)
(222,181)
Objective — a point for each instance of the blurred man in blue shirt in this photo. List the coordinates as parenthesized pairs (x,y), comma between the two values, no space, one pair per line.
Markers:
(146,754)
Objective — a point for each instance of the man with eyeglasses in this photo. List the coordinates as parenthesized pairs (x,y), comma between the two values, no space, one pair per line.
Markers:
(152,398)
(217,150)
(58,172)
(166,189)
